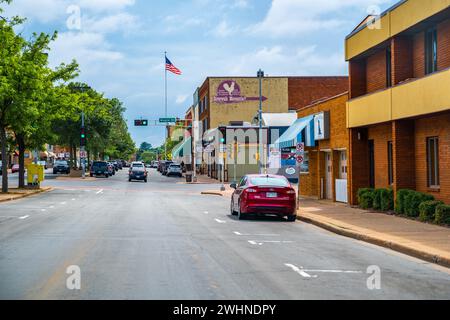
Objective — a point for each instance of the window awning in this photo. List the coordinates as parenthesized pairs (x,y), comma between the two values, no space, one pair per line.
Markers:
(302,129)
(183,149)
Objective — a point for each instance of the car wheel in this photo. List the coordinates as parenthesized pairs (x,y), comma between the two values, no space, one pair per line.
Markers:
(129,180)
(233,213)
(292,218)
(240,215)
(145,180)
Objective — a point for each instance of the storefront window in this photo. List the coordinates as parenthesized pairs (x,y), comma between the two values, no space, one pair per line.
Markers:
(433,161)
(304,168)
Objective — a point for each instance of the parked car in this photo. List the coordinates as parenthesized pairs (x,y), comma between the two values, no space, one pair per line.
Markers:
(155,164)
(165,167)
(262,195)
(44,164)
(15,168)
(112,169)
(61,166)
(175,170)
(100,168)
(138,172)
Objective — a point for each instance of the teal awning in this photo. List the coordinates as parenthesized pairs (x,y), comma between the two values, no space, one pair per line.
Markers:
(182,149)
(303,127)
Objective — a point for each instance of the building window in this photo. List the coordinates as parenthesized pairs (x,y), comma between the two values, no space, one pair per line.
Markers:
(431,50)
(205,102)
(391,162)
(433,162)
(388,67)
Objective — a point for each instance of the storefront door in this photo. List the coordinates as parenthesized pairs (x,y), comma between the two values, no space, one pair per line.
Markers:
(328,176)
(341,183)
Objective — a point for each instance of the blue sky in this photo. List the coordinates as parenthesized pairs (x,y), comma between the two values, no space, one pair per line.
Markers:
(120,44)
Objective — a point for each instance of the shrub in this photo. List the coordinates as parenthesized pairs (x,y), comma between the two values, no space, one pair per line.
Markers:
(387,199)
(377,199)
(400,203)
(442,214)
(427,210)
(413,201)
(363,191)
(366,201)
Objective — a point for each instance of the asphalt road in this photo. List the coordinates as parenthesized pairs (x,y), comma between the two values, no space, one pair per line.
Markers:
(164,240)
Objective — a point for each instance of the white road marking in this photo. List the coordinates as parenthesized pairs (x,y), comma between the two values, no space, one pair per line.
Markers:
(220,221)
(260,243)
(206,212)
(306,272)
(43,210)
(52,207)
(255,235)
(99,191)
(64,203)
(300,271)
(24,217)
(73,199)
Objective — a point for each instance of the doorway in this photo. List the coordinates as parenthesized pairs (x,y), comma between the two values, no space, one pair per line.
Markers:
(328,176)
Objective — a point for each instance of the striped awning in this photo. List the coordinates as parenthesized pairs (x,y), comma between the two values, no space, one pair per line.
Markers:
(301,131)
(183,149)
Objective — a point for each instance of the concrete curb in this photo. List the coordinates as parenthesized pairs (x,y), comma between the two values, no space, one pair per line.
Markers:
(16,196)
(212,193)
(443,261)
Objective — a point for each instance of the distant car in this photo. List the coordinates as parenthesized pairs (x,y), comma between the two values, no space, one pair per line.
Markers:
(138,172)
(148,166)
(61,166)
(264,194)
(165,167)
(100,168)
(43,163)
(15,168)
(154,164)
(112,169)
(175,170)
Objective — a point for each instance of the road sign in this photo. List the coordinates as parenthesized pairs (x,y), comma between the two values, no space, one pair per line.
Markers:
(83,154)
(300,147)
(167,120)
(300,159)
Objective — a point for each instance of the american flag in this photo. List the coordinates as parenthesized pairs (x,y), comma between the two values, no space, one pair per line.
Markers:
(170,67)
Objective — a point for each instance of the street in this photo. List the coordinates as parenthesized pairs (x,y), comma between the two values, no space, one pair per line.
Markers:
(164,240)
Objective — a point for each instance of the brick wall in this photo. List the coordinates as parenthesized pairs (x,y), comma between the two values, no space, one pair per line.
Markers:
(404,154)
(402,66)
(381,134)
(436,126)
(357,80)
(358,162)
(376,71)
(443,31)
(419,55)
(303,91)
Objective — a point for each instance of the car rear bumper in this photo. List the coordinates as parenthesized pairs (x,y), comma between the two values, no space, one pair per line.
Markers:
(281,210)
(133,177)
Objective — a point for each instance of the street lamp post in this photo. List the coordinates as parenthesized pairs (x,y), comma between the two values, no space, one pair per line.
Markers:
(261,147)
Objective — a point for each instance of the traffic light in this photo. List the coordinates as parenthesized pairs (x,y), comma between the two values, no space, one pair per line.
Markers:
(83,137)
(140,123)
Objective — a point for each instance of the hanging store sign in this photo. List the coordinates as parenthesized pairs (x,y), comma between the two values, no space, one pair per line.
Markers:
(322,126)
(229,91)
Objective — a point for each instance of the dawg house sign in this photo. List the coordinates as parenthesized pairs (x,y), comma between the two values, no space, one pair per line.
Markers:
(230,92)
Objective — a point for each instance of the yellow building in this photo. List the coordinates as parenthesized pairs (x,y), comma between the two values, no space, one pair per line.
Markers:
(399,107)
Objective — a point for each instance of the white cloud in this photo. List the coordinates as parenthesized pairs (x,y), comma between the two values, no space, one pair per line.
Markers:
(294,17)
(181,99)
(113,23)
(224,30)
(105,5)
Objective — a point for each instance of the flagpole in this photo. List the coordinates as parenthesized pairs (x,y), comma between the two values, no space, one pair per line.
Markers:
(165,87)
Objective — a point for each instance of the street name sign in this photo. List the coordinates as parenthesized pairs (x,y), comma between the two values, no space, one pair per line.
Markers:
(167,120)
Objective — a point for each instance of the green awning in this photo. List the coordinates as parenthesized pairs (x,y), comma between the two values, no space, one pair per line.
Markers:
(183,149)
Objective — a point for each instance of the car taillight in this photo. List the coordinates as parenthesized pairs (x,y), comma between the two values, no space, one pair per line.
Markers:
(251,191)
(290,192)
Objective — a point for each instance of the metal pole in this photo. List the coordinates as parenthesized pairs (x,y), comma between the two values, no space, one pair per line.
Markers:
(82,149)
(261,150)
(165,87)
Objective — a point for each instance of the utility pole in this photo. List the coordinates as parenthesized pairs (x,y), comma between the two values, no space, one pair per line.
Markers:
(83,147)
(165,87)
(261,147)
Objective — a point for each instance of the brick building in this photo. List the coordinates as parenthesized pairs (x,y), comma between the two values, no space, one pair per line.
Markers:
(326,177)
(399,108)
(221,101)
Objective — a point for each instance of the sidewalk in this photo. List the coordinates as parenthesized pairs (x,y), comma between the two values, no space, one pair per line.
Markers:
(15,194)
(201,179)
(424,241)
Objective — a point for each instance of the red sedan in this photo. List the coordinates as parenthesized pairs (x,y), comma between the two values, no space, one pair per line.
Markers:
(15,168)
(264,194)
